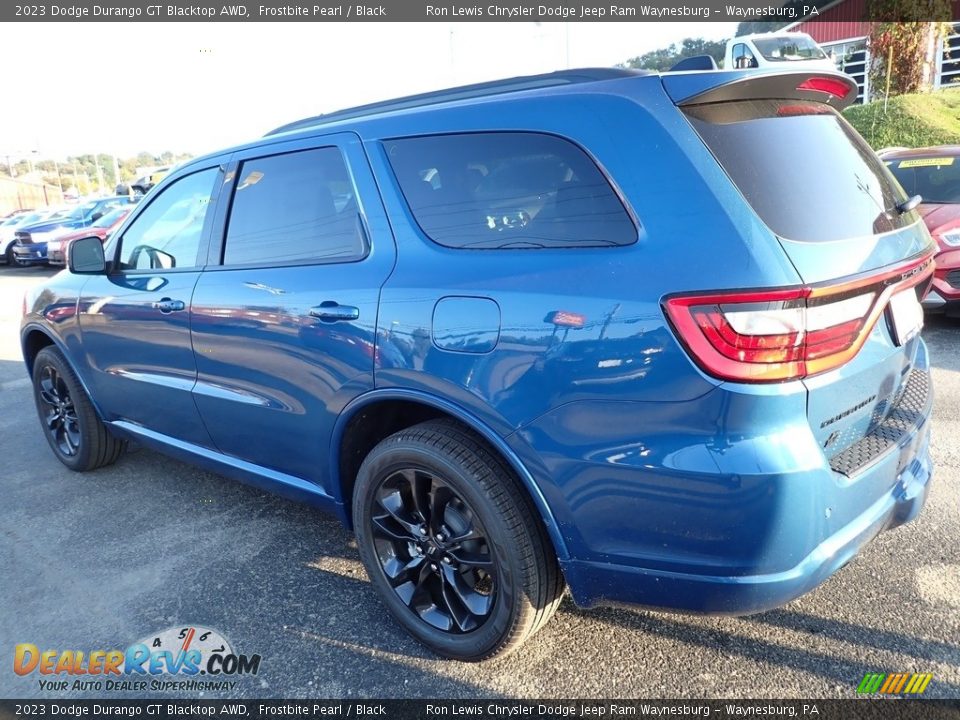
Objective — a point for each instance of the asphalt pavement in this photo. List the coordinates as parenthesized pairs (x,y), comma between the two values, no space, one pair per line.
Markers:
(101,560)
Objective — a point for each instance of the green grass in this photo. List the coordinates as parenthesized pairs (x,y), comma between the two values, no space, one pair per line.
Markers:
(910,120)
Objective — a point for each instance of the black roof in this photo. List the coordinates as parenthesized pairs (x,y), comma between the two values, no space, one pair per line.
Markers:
(466,92)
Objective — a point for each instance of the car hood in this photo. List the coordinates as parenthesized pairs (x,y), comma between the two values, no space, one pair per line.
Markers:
(936,215)
(84,232)
(43,227)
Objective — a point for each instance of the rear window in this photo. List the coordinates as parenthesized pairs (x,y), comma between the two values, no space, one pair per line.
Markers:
(804,170)
(935,179)
(508,190)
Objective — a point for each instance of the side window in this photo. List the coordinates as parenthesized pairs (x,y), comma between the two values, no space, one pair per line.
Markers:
(294,207)
(508,190)
(167,234)
(743,58)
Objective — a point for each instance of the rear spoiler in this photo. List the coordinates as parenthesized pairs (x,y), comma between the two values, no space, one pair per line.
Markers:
(831,88)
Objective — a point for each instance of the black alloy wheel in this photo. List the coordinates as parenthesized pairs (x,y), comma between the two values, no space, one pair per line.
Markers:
(452,542)
(70,423)
(57,412)
(433,551)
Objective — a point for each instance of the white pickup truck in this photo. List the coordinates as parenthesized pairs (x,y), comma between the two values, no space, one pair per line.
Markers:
(782,50)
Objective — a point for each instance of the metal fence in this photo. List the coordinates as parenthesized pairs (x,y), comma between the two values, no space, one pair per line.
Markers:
(853,58)
(19,195)
(948,60)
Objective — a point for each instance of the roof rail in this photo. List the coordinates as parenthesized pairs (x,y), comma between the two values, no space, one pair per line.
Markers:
(465,92)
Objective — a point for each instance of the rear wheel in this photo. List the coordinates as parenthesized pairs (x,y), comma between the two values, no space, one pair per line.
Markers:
(76,435)
(452,544)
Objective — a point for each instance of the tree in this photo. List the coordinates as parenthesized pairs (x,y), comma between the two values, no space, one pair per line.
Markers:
(904,33)
(666,58)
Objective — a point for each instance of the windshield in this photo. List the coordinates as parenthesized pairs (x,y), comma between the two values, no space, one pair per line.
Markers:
(31,218)
(789,49)
(935,179)
(114,216)
(83,211)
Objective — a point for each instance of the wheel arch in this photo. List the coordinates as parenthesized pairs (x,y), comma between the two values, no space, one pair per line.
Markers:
(349,446)
(34,338)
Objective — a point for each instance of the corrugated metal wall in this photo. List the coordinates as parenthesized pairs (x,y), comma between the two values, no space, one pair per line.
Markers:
(16,195)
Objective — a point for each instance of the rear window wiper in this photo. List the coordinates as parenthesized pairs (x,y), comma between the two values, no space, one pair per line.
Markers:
(909,204)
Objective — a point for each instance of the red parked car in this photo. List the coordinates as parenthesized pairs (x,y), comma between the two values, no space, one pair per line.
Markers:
(933,173)
(57,249)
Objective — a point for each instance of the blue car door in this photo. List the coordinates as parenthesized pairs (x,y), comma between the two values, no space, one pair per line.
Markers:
(284,316)
(135,319)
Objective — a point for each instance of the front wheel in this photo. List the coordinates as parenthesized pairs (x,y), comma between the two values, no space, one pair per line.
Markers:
(452,544)
(76,435)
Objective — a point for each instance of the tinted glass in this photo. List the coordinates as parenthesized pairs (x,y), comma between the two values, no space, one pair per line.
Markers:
(299,206)
(805,171)
(111,216)
(935,179)
(168,233)
(508,190)
(786,49)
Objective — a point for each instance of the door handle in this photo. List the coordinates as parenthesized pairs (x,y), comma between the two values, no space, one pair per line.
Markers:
(166,305)
(331,312)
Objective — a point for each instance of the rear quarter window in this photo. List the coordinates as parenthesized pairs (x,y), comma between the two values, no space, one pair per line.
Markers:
(808,174)
(508,190)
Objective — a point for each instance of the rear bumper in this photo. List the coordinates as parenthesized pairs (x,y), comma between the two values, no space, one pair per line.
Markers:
(602,584)
(764,527)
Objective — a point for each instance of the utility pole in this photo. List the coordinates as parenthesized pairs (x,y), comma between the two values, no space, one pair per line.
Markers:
(56,166)
(96,160)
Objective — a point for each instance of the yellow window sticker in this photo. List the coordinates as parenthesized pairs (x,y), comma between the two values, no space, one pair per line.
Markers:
(926,162)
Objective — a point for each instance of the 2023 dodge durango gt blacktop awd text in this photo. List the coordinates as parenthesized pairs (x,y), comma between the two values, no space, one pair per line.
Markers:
(654,338)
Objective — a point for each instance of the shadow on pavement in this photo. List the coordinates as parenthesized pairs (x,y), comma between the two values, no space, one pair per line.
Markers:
(842,671)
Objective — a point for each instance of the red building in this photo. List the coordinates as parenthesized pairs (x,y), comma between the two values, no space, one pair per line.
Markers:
(841,31)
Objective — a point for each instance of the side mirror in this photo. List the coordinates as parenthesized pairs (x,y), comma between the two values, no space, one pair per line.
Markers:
(85,257)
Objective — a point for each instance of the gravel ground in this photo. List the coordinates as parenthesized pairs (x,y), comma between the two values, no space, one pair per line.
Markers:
(104,559)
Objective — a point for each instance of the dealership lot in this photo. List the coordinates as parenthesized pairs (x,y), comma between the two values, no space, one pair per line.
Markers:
(99,561)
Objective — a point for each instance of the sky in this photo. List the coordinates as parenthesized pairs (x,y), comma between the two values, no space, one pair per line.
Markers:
(121,88)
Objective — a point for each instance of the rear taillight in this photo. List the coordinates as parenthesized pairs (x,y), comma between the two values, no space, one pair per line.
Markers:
(786,334)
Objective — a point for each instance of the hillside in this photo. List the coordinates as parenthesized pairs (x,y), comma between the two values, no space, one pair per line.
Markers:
(910,120)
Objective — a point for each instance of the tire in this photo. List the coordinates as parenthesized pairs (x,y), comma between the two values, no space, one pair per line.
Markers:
(463,563)
(70,424)
(11,260)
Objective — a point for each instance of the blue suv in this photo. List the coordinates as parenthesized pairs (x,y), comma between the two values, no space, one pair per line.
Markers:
(654,338)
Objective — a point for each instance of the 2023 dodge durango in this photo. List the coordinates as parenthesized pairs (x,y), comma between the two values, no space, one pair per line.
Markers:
(654,338)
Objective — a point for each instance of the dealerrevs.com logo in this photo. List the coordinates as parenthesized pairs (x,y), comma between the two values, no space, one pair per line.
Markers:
(188,658)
